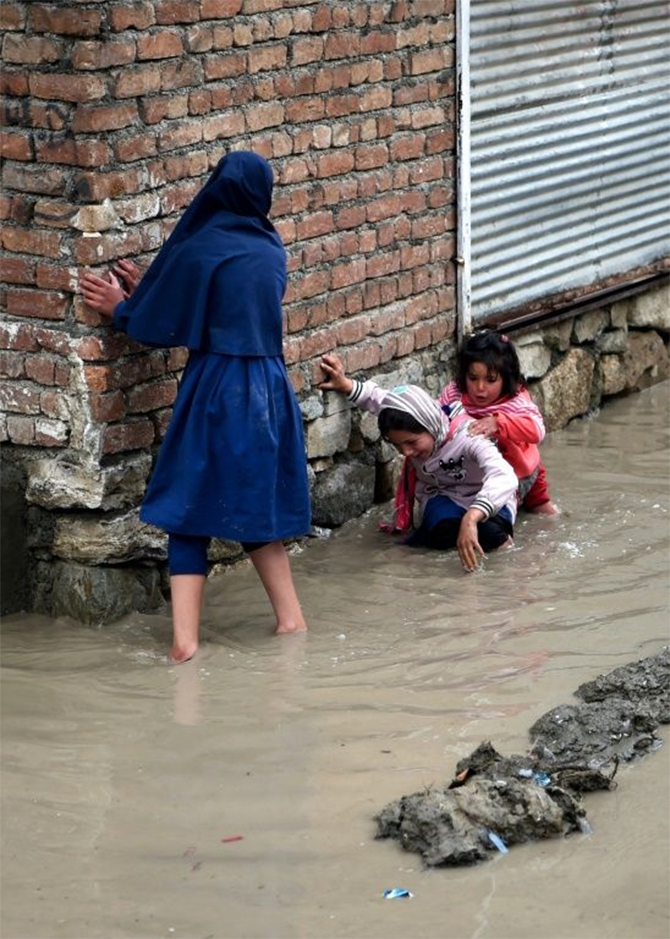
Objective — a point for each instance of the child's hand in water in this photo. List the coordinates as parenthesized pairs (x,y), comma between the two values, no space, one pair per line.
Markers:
(332,367)
(469,549)
(485,427)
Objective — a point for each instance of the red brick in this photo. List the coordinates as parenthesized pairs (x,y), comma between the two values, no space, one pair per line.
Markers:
(18,336)
(151,396)
(117,438)
(107,407)
(67,87)
(431,60)
(53,214)
(199,38)
(160,45)
(41,369)
(137,147)
(219,9)
(98,55)
(40,304)
(335,163)
(180,135)
(200,102)
(50,116)
(306,50)
(261,116)
(65,20)
(90,119)
(166,107)
(31,50)
(305,109)
(170,12)
(225,65)
(37,179)
(12,364)
(51,277)
(16,146)
(12,16)
(19,399)
(21,430)
(181,73)
(44,243)
(13,83)
(131,16)
(194,163)
(17,271)
(90,251)
(73,153)
(94,187)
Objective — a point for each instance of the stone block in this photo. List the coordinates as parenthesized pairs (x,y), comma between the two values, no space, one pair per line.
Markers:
(557,336)
(566,389)
(651,309)
(613,341)
(646,360)
(328,434)
(589,325)
(118,539)
(95,595)
(63,485)
(534,356)
(342,493)
(613,374)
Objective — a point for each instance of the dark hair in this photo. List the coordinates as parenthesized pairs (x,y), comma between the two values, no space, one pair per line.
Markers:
(394,419)
(494,351)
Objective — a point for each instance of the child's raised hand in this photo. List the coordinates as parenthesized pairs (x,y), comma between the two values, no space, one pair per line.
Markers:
(129,274)
(336,380)
(102,294)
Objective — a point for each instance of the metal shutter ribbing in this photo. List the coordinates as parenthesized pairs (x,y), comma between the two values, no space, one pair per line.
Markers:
(569,145)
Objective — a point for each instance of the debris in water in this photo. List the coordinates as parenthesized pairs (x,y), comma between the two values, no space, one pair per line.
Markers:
(576,748)
(396,893)
(498,842)
(232,838)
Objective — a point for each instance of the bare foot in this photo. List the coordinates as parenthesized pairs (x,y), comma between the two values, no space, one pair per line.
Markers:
(292,627)
(179,654)
(547,508)
(507,544)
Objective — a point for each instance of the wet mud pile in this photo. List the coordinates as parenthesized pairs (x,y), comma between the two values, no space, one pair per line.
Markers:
(494,802)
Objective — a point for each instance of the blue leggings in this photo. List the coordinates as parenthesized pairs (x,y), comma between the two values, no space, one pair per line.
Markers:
(187,554)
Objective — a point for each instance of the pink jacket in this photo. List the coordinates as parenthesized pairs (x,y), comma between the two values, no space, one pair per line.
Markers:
(520,425)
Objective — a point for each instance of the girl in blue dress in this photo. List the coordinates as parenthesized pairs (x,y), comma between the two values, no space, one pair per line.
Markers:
(232,464)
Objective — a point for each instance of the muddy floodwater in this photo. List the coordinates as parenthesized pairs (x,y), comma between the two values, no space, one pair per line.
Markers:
(234,796)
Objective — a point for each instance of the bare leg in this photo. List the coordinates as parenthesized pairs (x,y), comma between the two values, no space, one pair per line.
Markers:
(272,566)
(187,592)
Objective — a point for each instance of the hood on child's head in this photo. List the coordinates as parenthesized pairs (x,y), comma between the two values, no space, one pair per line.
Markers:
(415,401)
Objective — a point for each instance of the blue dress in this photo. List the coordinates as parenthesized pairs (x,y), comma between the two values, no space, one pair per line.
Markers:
(232,464)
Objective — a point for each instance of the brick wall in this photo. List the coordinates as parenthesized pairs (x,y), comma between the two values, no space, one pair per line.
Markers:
(114,114)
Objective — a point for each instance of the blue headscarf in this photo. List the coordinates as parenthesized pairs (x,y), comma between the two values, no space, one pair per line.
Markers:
(217,283)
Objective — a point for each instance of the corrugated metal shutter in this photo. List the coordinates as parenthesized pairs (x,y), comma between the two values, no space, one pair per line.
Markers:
(569,145)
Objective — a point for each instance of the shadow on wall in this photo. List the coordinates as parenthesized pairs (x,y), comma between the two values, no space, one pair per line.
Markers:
(13,542)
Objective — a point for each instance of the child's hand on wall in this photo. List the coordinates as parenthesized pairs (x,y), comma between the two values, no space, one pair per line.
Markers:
(129,274)
(102,294)
(336,380)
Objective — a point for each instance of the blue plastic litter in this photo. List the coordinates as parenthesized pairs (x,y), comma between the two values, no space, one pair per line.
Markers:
(396,893)
(542,779)
(498,842)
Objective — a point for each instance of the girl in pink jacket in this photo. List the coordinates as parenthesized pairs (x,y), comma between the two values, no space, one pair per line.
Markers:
(490,387)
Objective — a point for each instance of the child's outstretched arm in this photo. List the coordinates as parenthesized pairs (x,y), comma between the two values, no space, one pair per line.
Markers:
(332,367)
